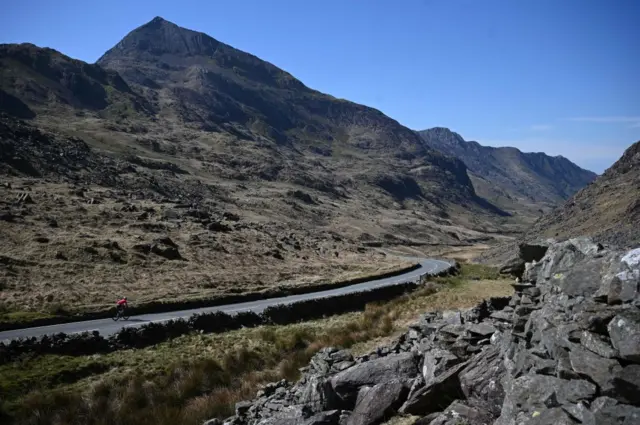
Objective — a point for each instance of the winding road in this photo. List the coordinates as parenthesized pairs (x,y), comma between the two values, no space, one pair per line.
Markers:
(108,326)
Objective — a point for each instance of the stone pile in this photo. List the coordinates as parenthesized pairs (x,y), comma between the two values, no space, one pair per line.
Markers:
(564,349)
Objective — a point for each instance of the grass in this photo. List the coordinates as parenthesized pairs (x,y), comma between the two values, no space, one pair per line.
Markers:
(197,377)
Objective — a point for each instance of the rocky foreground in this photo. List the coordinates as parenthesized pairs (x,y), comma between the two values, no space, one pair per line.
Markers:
(564,349)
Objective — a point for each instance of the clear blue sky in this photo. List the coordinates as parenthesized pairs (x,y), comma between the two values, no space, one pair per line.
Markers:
(558,76)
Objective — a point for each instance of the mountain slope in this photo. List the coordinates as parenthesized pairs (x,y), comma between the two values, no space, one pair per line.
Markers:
(608,209)
(51,81)
(221,104)
(189,169)
(509,177)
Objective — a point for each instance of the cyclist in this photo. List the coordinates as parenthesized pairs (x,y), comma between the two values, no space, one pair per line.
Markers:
(122,304)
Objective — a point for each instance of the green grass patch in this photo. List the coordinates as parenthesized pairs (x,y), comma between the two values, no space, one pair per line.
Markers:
(24,316)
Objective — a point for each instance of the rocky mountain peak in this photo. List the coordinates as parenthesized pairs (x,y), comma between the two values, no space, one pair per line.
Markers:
(158,37)
(442,135)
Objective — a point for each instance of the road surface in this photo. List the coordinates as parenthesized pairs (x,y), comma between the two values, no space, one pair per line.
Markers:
(108,326)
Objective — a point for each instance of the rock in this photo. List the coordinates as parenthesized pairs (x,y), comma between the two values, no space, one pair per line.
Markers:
(619,414)
(459,413)
(242,407)
(597,344)
(230,216)
(452,317)
(394,366)
(598,369)
(217,226)
(627,384)
(555,416)
(481,380)
(166,251)
(594,320)
(318,395)
(624,330)
(562,257)
(579,411)
(530,393)
(436,362)
(379,403)
(331,417)
(483,329)
(583,280)
(515,267)
(437,395)
(502,315)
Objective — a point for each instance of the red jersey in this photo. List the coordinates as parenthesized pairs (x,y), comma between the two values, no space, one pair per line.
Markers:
(121,302)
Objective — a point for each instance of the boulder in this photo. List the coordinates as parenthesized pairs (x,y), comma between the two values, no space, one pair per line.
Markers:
(627,384)
(594,367)
(437,395)
(534,393)
(624,330)
(481,380)
(618,414)
(318,395)
(597,344)
(379,403)
(395,366)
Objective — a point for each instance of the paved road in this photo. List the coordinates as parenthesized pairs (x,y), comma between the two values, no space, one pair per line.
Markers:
(108,326)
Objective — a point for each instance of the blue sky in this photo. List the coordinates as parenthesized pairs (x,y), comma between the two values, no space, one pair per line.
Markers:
(557,76)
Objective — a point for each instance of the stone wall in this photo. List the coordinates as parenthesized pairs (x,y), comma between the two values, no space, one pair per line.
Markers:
(154,333)
(564,349)
(165,306)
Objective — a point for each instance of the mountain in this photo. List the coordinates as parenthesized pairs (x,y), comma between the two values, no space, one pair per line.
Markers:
(178,166)
(510,178)
(51,81)
(607,209)
(162,77)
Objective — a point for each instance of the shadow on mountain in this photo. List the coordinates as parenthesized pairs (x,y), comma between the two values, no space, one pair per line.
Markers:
(491,208)
(13,106)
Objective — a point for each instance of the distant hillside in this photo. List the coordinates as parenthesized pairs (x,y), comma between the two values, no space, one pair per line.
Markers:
(218,171)
(608,209)
(510,178)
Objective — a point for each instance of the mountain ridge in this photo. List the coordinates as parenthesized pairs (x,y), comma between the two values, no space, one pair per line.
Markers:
(513,176)
(607,210)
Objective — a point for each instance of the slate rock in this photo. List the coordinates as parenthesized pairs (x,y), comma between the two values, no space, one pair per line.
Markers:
(394,366)
(627,384)
(459,413)
(436,396)
(597,344)
(530,392)
(619,414)
(598,369)
(452,317)
(379,403)
(624,330)
(553,416)
(318,395)
(481,380)
(483,329)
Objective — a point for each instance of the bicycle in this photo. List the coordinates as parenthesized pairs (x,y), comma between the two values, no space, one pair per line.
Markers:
(121,313)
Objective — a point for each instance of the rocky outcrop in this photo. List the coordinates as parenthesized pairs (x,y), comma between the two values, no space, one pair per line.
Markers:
(527,253)
(564,349)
